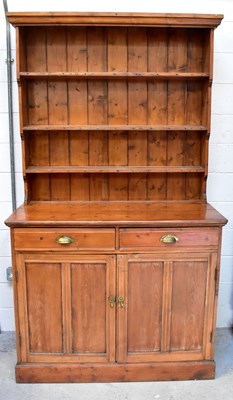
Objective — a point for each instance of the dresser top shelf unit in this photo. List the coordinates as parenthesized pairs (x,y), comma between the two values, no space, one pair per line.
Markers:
(114,106)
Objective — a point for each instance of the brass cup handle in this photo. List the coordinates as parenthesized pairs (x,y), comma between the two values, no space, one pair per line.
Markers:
(64,240)
(169,238)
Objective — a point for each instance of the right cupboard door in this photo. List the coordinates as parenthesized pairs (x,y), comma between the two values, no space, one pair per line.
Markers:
(165,312)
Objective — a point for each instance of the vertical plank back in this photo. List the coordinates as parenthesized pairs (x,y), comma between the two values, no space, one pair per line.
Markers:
(177,62)
(117,111)
(137,111)
(77,110)
(57,108)
(97,111)
(36,60)
(157,112)
(194,112)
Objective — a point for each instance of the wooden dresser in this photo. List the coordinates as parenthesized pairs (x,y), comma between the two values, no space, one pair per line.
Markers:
(115,250)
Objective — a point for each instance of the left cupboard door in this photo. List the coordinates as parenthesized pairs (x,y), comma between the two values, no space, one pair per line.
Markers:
(64,310)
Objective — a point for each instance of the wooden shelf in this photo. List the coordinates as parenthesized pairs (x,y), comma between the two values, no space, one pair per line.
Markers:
(115,75)
(115,128)
(114,169)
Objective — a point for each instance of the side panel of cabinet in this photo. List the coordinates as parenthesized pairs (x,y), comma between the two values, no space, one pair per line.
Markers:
(167,307)
(64,310)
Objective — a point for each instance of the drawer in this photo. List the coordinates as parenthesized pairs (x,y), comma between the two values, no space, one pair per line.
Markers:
(132,238)
(64,239)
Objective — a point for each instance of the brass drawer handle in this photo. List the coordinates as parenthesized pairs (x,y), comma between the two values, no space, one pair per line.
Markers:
(64,240)
(169,238)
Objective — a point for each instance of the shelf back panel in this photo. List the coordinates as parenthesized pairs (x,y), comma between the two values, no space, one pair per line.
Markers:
(72,49)
(120,148)
(97,102)
(90,101)
(115,187)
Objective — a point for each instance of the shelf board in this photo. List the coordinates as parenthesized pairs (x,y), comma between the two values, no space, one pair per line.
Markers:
(114,169)
(115,75)
(115,128)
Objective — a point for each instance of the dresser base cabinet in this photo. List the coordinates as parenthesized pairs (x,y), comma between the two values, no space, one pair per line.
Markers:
(121,315)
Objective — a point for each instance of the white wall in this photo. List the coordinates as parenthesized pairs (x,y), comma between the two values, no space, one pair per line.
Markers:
(220,181)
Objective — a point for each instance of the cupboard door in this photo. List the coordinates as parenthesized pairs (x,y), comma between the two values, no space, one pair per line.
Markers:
(166,315)
(64,309)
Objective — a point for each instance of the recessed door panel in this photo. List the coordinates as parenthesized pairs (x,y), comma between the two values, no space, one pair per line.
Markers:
(188,305)
(88,307)
(92,317)
(145,288)
(139,317)
(44,307)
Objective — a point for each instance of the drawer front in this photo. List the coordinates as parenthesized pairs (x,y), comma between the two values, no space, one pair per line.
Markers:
(64,239)
(144,238)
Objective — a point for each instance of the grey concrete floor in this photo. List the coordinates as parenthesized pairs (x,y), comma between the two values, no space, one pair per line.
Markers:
(219,389)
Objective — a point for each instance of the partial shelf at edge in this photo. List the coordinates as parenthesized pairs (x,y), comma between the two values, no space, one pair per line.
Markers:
(115,128)
(114,75)
(114,169)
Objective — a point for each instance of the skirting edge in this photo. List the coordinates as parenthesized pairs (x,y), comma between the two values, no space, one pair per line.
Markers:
(73,372)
